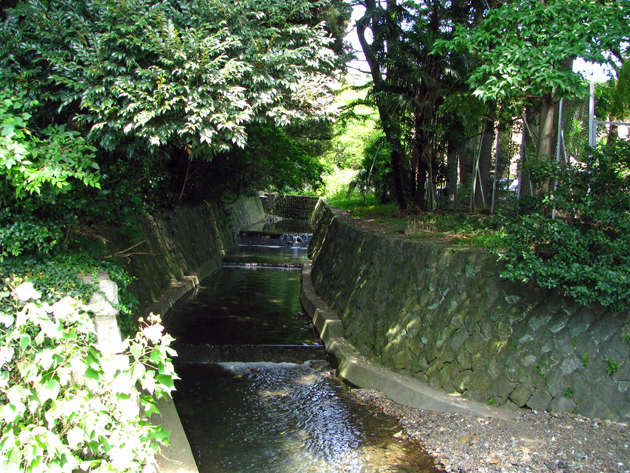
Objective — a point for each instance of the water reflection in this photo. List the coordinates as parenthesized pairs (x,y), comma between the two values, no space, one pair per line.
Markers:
(265,417)
(264,255)
(243,307)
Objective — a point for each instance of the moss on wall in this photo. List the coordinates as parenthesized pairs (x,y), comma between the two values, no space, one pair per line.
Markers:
(442,314)
(177,243)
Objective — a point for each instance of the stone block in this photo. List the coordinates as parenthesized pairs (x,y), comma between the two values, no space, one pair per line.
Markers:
(459,338)
(558,321)
(603,328)
(479,383)
(414,345)
(473,265)
(487,328)
(498,308)
(562,404)
(595,370)
(522,332)
(608,392)
(462,380)
(556,382)
(521,394)
(401,360)
(615,349)
(540,399)
(549,361)
(623,375)
(418,364)
(464,360)
(540,319)
(594,408)
(564,344)
(447,376)
(501,388)
(502,329)
(570,364)
(434,368)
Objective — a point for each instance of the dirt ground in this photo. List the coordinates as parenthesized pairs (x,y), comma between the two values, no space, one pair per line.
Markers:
(531,441)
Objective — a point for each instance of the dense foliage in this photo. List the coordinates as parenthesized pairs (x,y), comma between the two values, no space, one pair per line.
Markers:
(447,74)
(585,252)
(67,402)
(526,48)
(113,108)
(191,74)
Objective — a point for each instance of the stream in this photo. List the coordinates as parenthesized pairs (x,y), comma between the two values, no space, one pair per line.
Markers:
(257,393)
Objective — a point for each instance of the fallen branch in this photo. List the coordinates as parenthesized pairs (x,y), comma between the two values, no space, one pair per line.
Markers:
(124,253)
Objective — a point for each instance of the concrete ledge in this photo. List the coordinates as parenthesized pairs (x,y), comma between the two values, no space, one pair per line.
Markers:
(177,457)
(359,371)
(180,289)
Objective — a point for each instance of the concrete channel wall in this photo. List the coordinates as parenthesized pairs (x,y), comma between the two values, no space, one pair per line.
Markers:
(289,206)
(179,250)
(442,315)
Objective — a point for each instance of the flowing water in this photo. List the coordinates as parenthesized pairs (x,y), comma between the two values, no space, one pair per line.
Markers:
(289,415)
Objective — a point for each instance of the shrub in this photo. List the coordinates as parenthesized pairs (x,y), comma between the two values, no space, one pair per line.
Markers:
(585,252)
(67,404)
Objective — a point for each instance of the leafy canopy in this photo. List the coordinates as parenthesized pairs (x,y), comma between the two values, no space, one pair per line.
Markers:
(524,48)
(194,74)
(30,162)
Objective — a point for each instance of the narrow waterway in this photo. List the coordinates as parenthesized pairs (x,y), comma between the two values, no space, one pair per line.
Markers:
(243,413)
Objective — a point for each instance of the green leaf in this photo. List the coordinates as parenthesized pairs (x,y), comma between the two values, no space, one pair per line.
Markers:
(11,412)
(92,464)
(165,380)
(25,341)
(138,372)
(14,455)
(49,391)
(136,350)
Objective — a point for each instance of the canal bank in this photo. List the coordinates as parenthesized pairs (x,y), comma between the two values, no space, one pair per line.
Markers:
(465,442)
(442,315)
(178,249)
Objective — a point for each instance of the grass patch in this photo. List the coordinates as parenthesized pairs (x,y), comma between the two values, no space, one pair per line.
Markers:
(370,207)
(455,227)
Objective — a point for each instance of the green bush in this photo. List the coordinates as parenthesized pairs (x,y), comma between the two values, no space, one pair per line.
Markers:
(67,404)
(585,251)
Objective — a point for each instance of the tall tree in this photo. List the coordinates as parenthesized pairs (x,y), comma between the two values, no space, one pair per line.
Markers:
(525,51)
(410,83)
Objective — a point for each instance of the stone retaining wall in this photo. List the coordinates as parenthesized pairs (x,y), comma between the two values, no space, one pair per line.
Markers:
(289,206)
(442,314)
(181,248)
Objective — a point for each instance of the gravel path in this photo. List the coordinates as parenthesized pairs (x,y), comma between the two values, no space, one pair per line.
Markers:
(532,441)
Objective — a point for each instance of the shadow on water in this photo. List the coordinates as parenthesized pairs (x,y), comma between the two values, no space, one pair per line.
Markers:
(242,307)
(280,417)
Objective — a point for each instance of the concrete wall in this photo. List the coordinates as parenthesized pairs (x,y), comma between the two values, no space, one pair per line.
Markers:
(181,248)
(442,314)
(290,206)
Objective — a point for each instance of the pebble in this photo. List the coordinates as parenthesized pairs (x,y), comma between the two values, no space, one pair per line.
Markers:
(530,442)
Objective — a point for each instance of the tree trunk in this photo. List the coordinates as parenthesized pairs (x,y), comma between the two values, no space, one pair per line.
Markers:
(547,133)
(392,134)
(483,190)
(451,177)
(466,153)
(528,149)
(613,134)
